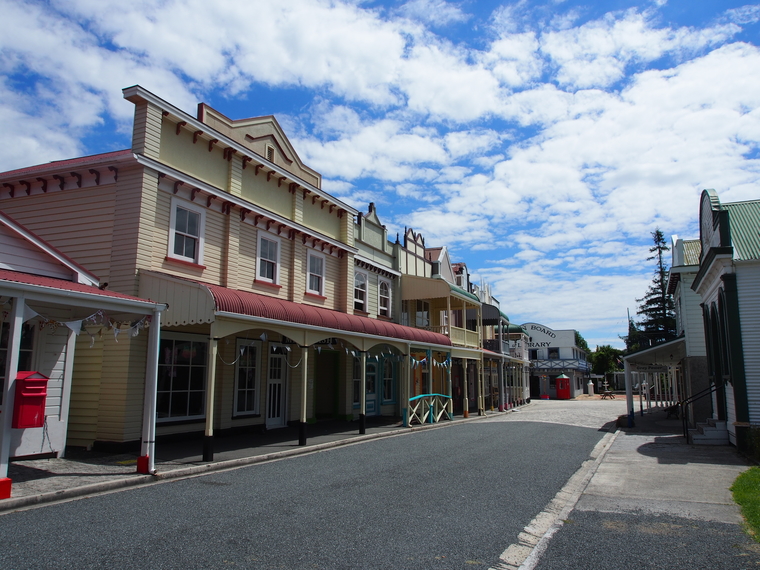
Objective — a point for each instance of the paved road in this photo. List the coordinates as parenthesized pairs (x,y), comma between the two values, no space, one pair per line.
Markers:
(442,499)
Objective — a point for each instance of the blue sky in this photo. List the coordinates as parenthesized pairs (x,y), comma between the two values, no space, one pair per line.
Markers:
(541,142)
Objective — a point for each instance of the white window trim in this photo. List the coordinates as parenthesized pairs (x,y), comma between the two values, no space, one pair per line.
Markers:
(274,238)
(177,202)
(390,298)
(309,254)
(366,290)
(242,343)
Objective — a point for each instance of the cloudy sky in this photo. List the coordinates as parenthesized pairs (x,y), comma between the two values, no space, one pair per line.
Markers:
(541,142)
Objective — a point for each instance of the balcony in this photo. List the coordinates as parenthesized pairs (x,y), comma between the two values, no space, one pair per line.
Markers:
(458,336)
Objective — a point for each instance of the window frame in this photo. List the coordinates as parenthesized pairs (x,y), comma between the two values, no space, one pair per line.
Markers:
(389,382)
(310,253)
(194,338)
(190,207)
(380,297)
(275,280)
(245,344)
(365,300)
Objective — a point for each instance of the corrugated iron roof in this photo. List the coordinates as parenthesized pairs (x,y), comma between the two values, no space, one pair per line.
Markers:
(255,305)
(61,284)
(692,251)
(744,220)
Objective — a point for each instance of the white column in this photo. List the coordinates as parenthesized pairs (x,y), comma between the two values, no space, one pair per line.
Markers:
(9,391)
(628,392)
(208,436)
(146,462)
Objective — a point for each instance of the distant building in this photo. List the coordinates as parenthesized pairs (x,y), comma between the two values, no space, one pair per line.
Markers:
(551,354)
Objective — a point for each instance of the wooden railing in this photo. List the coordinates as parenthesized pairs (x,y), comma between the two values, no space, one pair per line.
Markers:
(429,408)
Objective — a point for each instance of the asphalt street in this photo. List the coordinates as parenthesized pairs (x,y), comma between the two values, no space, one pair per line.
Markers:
(447,498)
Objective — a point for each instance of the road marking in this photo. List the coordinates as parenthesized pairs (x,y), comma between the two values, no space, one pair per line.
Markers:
(533,541)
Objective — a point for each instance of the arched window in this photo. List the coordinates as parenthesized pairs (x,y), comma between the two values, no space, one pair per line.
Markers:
(384,299)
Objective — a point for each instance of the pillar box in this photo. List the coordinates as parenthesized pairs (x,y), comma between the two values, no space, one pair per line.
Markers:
(29,405)
(563,387)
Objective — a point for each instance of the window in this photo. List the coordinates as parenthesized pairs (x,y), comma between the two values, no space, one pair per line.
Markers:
(360,291)
(384,299)
(186,232)
(422,317)
(533,354)
(24,354)
(388,382)
(181,377)
(553,353)
(269,259)
(371,378)
(247,378)
(316,273)
(405,313)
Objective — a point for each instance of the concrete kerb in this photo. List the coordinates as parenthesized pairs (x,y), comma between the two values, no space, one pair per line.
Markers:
(533,541)
(12,504)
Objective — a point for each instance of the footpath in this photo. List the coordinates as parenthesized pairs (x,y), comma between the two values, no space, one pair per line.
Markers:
(648,500)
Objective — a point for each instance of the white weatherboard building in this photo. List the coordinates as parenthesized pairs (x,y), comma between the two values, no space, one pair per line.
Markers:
(553,353)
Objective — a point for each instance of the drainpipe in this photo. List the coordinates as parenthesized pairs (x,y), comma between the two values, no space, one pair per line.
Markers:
(146,463)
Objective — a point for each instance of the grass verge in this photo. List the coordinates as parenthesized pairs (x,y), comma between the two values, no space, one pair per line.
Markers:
(746,491)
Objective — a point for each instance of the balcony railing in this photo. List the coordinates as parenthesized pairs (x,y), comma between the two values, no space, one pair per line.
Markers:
(460,336)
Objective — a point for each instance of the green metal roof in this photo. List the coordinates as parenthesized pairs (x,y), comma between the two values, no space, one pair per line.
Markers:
(692,251)
(744,223)
(464,293)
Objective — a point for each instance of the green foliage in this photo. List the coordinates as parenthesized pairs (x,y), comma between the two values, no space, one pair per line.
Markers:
(746,491)
(605,359)
(656,309)
(581,343)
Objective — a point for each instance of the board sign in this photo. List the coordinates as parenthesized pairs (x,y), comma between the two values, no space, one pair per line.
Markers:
(649,368)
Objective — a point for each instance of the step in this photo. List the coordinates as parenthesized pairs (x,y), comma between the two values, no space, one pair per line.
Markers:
(720,424)
(710,438)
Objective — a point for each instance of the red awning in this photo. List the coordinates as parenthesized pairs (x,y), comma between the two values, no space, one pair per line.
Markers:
(254,305)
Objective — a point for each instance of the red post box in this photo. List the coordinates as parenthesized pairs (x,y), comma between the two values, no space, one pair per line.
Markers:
(29,406)
(563,387)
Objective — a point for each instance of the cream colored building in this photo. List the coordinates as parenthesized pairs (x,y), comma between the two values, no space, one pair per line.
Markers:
(221,220)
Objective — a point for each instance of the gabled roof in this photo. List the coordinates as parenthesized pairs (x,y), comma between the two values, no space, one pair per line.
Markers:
(80,273)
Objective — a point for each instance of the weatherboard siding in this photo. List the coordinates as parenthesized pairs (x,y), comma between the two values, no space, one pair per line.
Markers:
(748,285)
(21,255)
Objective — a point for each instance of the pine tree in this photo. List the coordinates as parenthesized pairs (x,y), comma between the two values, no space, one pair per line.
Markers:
(658,321)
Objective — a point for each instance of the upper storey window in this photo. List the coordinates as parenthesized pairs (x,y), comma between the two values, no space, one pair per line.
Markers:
(186,232)
(269,260)
(316,272)
(360,291)
(384,299)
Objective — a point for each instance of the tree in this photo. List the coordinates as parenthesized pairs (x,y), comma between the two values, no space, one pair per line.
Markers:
(605,359)
(581,343)
(658,321)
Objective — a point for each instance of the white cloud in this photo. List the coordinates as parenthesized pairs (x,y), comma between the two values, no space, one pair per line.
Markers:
(433,12)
